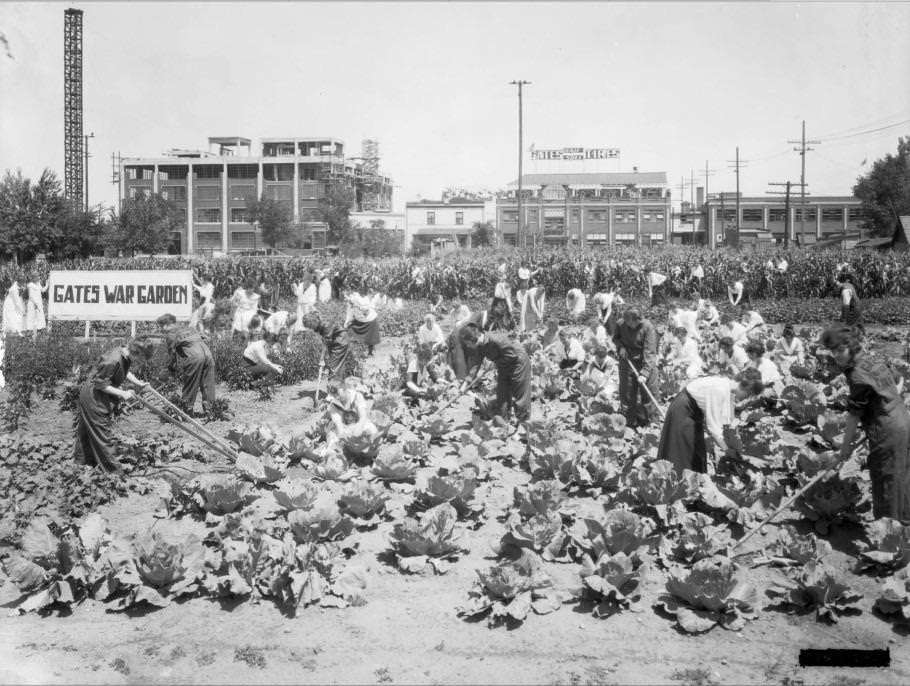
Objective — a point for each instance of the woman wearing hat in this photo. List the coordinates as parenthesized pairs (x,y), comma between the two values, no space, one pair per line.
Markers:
(98,397)
(875,404)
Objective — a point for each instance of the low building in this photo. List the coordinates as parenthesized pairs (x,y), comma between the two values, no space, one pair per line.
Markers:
(212,188)
(588,209)
(429,221)
(825,220)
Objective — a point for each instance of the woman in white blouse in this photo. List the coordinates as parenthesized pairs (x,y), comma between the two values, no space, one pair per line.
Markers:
(604,302)
(203,315)
(531,303)
(770,374)
(362,321)
(737,294)
(576,303)
(13,310)
(430,333)
(789,349)
(246,304)
(306,300)
(705,404)
(34,308)
(325,285)
(684,353)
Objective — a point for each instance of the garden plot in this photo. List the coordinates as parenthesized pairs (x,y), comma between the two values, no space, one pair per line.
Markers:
(445,551)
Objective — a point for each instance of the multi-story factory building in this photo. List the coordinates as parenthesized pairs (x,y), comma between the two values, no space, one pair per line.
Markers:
(212,187)
(588,209)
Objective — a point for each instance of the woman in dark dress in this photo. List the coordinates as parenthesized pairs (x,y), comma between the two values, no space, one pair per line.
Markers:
(463,360)
(704,404)
(98,397)
(875,404)
(335,339)
(513,369)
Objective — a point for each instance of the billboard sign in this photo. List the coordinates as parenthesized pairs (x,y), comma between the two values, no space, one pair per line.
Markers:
(575,154)
(120,295)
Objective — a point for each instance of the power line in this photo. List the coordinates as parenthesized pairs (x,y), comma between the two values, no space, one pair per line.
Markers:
(874,122)
(737,165)
(869,131)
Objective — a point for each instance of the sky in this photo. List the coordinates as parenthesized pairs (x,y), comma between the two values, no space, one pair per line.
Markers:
(672,85)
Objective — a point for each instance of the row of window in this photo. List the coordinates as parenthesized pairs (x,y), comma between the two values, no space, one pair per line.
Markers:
(778,214)
(270,172)
(459,218)
(621,216)
(212,215)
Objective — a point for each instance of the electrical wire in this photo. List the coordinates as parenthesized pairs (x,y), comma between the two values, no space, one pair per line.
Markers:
(864,133)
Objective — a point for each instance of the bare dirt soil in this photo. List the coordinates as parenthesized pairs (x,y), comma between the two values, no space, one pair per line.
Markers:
(408,631)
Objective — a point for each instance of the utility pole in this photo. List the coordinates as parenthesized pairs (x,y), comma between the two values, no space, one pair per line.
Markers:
(91,135)
(706,173)
(786,193)
(802,149)
(520,234)
(692,189)
(737,165)
(115,175)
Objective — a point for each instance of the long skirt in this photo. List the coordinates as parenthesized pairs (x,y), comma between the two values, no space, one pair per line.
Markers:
(682,439)
(197,370)
(634,399)
(365,332)
(34,316)
(13,321)
(889,466)
(513,389)
(325,290)
(94,438)
(338,358)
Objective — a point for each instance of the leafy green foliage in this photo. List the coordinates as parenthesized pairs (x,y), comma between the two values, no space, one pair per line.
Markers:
(885,190)
(888,548)
(427,542)
(832,500)
(272,216)
(712,593)
(510,590)
(145,224)
(817,587)
(894,598)
(612,582)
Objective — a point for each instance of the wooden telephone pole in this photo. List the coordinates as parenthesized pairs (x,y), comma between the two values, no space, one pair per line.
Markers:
(786,194)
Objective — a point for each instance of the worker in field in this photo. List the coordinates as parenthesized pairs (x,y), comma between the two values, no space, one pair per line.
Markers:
(99,395)
(513,370)
(335,339)
(362,320)
(278,328)
(204,316)
(256,360)
(190,359)
(604,308)
(704,404)
(636,344)
(850,311)
(875,404)
(461,359)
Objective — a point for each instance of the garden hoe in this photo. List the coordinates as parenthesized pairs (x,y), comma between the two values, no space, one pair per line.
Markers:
(643,384)
(821,476)
(166,410)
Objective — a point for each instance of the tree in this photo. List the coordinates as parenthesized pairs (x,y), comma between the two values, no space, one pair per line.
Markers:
(30,214)
(483,234)
(335,207)
(83,234)
(146,224)
(885,190)
(273,216)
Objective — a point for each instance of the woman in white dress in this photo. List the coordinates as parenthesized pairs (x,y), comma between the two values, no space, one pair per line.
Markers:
(576,303)
(203,315)
(604,302)
(325,286)
(13,310)
(34,308)
(246,304)
(306,300)
(789,349)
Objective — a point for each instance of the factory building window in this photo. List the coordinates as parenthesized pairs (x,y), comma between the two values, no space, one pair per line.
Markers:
(776,214)
(174,193)
(431,218)
(208,215)
(459,218)
(752,215)
(208,193)
(208,171)
(855,214)
(242,191)
(243,171)
(239,215)
(832,214)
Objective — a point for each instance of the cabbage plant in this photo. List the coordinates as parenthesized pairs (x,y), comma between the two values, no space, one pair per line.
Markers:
(815,586)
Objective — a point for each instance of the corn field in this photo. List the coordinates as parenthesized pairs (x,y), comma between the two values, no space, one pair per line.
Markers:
(466,274)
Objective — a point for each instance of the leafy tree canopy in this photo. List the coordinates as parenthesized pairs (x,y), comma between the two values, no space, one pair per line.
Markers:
(483,234)
(274,218)
(335,206)
(146,224)
(30,214)
(885,190)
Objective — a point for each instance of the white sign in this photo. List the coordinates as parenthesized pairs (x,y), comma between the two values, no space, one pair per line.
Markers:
(575,154)
(120,295)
